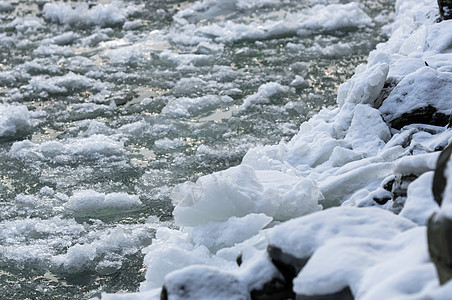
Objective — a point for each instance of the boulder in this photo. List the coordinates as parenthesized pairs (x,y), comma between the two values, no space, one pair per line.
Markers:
(439,231)
(445,9)
(344,294)
(420,97)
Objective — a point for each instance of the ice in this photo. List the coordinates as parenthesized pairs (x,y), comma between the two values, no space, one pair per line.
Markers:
(70,82)
(172,250)
(92,147)
(167,143)
(263,95)
(27,24)
(82,15)
(210,9)
(319,18)
(365,86)
(49,50)
(218,235)
(92,202)
(241,190)
(367,142)
(186,107)
(14,121)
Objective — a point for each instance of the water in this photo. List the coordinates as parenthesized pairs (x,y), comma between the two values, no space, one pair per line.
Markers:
(137,103)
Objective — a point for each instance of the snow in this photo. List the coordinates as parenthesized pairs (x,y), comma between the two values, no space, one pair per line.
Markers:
(343,156)
(424,86)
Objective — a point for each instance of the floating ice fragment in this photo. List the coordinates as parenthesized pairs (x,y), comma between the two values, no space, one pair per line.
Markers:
(14,121)
(89,202)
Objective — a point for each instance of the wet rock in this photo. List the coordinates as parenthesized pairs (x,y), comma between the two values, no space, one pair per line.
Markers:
(344,294)
(439,179)
(389,85)
(274,290)
(424,115)
(439,233)
(288,265)
(421,97)
(398,188)
(445,9)
(439,230)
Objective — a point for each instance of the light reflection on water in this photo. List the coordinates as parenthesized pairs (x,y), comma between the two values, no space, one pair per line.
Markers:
(129,111)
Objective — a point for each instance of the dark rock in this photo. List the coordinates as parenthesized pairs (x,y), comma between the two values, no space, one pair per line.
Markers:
(345,294)
(389,85)
(439,230)
(287,264)
(382,200)
(423,115)
(439,235)
(398,188)
(439,179)
(274,290)
(164,293)
(445,9)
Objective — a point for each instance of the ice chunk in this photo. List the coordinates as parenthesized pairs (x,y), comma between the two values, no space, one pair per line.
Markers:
(368,132)
(92,203)
(365,86)
(172,250)
(186,107)
(14,121)
(217,235)
(101,14)
(95,146)
(264,95)
(239,191)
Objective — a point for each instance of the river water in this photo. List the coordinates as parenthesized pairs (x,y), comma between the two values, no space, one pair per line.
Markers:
(114,103)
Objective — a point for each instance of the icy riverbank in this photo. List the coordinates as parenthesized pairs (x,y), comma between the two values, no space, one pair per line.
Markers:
(373,155)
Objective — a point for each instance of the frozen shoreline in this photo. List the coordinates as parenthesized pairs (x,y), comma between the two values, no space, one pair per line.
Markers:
(350,156)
